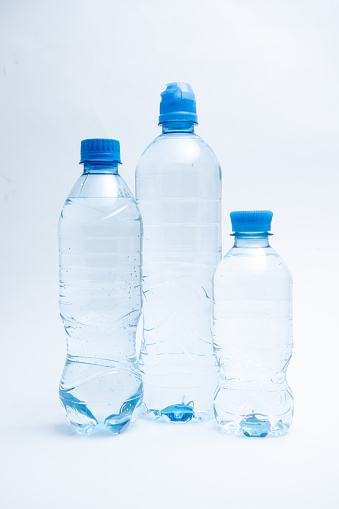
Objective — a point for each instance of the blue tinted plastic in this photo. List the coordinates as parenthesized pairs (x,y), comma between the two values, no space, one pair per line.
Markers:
(253,339)
(178,104)
(100,301)
(251,220)
(178,189)
(100,150)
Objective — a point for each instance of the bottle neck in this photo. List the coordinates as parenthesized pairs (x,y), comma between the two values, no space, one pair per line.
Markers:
(178,127)
(100,167)
(251,240)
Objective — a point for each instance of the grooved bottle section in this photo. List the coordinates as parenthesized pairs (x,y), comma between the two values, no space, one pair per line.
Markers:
(253,341)
(180,206)
(100,305)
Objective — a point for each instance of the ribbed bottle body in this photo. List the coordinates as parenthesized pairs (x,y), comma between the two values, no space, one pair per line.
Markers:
(253,340)
(100,303)
(178,190)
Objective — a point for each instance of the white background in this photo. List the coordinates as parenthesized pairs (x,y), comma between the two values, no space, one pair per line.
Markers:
(266,78)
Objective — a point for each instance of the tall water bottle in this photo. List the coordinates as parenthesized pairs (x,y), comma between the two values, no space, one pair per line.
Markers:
(253,331)
(178,190)
(100,294)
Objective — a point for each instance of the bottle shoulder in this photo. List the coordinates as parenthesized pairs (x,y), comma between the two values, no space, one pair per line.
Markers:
(99,195)
(252,261)
(177,148)
(102,185)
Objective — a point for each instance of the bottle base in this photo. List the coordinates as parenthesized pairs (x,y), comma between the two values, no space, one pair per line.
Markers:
(177,413)
(254,426)
(84,422)
(99,428)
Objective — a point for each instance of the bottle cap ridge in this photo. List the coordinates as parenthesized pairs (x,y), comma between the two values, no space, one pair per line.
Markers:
(248,221)
(178,103)
(100,150)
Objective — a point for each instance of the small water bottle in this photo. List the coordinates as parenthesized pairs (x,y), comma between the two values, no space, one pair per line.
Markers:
(178,191)
(253,332)
(100,294)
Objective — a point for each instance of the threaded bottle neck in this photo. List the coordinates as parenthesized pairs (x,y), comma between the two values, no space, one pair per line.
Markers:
(177,127)
(251,240)
(101,167)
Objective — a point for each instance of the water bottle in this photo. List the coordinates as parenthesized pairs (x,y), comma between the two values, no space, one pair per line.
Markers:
(100,294)
(178,191)
(253,332)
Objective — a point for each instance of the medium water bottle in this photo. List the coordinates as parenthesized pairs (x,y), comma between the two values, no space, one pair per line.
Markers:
(253,332)
(100,294)
(178,190)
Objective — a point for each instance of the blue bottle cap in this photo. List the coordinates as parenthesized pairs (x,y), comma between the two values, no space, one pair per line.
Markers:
(100,150)
(178,103)
(247,221)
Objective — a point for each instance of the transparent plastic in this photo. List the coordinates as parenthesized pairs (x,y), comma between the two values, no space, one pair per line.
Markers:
(178,190)
(253,339)
(100,301)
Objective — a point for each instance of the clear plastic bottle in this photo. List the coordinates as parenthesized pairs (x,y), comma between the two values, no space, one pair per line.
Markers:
(253,332)
(100,294)
(178,191)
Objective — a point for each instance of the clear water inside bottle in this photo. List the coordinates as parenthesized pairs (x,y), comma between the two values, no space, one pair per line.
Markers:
(100,305)
(178,189)
(253,339)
